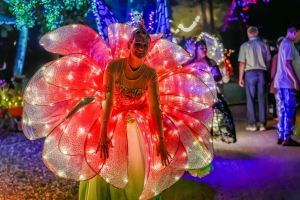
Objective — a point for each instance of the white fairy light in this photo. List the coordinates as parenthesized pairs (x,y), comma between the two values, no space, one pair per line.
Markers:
(191,27)
(70,77)
(81,177)
(61,173)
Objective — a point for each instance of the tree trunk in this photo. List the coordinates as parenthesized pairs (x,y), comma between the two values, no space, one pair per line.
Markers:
(21,51)
(207,15)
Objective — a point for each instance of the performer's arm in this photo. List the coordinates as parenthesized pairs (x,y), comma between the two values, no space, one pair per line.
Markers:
(156,118)
(190,48)
(107,105)
(291,72)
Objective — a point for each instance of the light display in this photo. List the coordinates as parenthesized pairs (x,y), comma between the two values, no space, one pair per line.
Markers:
(70,90)
(11,101)
(103,17)
(54,12)
(162,19)
(191,27)
(244,5)
(214,47)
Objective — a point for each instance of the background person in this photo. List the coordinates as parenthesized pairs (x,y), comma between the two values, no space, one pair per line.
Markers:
(287,84)
(223,127)
(254,58)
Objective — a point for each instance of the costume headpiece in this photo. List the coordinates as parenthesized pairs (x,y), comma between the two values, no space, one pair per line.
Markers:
(141,28)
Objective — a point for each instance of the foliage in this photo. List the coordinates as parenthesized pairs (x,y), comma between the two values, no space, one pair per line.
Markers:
(10,98)
(50,14)
(4,12)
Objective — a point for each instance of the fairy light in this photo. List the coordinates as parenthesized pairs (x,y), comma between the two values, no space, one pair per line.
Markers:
(151,22)
(216,50)
(175,31)
(172,131)
(194,23)
(244,4)
(81,177)
(61,173)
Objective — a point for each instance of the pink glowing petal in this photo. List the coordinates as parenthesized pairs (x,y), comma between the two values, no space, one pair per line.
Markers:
(77,39)
(158,181)
(193,128)
(118,38)
(74,71)
(39,121)
(115,168)
(155,37)
(39,92)
(75,134)
(203,72)
(185,92)
(166,55)
(92,157)
(65,166)
(204,116)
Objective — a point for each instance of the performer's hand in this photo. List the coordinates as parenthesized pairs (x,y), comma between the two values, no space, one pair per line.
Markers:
(162,151)
(241,83)
(190,46)
(103,145)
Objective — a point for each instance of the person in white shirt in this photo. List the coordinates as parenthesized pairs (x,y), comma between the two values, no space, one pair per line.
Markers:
(287,84)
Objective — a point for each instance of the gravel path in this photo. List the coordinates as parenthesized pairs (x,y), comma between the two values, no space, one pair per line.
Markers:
(23,173)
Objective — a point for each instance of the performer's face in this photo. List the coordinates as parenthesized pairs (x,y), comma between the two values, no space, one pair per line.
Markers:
(139,46)
(201,51)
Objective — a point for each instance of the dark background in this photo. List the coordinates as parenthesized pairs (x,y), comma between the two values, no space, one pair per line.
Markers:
(271,18)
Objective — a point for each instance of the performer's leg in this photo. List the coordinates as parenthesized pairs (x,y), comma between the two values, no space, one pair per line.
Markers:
(94,189)
(251,81)
(136,161)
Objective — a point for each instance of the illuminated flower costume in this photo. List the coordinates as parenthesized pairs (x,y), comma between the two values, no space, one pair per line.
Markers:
(63,103)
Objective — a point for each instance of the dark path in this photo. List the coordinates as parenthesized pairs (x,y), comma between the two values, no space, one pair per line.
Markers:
(254,168)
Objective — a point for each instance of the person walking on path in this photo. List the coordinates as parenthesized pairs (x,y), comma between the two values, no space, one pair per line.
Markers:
(287,84)
(254,58)
(273,90)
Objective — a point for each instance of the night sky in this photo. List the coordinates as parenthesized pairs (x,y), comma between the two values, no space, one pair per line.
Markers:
(272,19)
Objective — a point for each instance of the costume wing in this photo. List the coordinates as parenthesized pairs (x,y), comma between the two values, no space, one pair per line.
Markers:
(214,47)
(77,39)
(63,102)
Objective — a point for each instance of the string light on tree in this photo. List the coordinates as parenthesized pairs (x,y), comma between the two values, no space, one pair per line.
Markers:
(151,22)
(244,4)
(191,26)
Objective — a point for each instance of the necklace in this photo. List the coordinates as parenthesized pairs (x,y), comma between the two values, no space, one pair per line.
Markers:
(134,69)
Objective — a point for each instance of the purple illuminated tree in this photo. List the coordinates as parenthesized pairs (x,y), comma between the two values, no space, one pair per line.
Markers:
(103,16)
(237,11)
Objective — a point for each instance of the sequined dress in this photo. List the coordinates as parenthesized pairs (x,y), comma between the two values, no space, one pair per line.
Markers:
(63,103)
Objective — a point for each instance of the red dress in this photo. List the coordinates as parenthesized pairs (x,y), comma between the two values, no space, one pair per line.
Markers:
(63,103)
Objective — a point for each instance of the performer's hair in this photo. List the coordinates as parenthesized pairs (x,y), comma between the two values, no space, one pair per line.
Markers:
(141,30)
(200,43)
